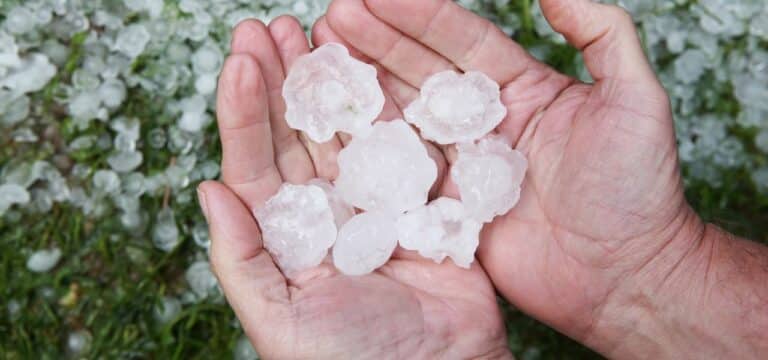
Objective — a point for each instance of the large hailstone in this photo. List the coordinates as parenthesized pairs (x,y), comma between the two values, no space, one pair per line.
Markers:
(365,243)
(455,108)
(440,229)
(489,175)
(328,90)
(298,227)
(388,171)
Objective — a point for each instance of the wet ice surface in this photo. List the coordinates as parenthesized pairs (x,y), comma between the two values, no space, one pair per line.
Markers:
(455,108)
(365,243)
(297,227)
(329,91)
(388,171)
(489,175)
(439,230)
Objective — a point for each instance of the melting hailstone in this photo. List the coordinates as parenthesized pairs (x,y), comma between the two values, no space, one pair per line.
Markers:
(365,243)
(388,171)
(455,108)
(489,175)
(298,227)
(439,230)
(342,211)
(328,91)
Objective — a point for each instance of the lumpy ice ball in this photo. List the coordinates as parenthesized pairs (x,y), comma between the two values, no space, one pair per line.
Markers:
(456,108)
(440,229)
(365,243)
(388,171)
(328,91)
(298,227)
(489,175)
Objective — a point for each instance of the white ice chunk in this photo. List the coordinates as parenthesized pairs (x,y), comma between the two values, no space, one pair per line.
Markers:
(457,107)
(298,227)
(440,229)
(365,243)
(342,211)
(489,175)
(11,194)
(387,171)
(43,260)
(329,91)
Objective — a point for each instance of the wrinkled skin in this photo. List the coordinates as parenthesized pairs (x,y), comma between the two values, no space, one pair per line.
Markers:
(602,198)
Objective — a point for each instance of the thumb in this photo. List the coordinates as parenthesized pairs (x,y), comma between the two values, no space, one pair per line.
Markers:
(605,34)
(253,285)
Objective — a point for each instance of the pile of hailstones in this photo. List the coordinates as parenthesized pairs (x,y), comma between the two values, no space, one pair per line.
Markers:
(385,173)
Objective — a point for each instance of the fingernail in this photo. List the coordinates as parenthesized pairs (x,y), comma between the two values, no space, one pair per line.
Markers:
(202,201)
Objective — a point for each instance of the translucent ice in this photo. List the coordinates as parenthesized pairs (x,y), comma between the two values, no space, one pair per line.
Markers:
(132,40)
(329,91)
(43,260)
(342,211)
(201,279)
(389,170)
(440,229)
(165,233)
(489,175)
(457,107)
(365,243)
(11,194)
(297,226)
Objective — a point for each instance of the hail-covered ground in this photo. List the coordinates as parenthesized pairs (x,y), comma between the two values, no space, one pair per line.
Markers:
(106,126)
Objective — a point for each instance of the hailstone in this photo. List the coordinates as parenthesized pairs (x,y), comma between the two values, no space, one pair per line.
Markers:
(298,227)
(388,171)
(455,108)
(328,91)
(440,229)
(489,175)
(342,211)
(365,243)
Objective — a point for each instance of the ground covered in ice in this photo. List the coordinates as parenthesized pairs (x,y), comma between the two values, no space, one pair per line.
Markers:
(106,128)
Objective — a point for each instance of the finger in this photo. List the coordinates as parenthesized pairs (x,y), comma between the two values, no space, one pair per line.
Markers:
(253,37)
(248,163)
(605,34)
(253,285)
(395,89)
(403,56)
(292,43)
(468,40)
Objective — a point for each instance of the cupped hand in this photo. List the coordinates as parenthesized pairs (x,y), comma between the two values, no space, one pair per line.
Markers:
(410,308)
(602,207)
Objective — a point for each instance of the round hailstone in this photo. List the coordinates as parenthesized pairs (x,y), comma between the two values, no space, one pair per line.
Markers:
(43,260)
(342,211)
(298,227)
(456,108)
(11,194)
(388,171)
(441,229)
(328,91)
(489,175)
(365,243)
(201,279)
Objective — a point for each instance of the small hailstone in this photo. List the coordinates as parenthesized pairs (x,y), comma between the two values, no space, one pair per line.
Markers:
(167,310)
(79,342)
(207,59)
(201,280)
(297,227)
(329,91)
(132,40)
(388,171)
(43,260)
(106,181)
(9,52)
(125,161)
(440,229)
(457,107)
(165,233)
(206,84)
(489,175)
(19,20)
(112,93)
(31,74)
(342,211)
(11,194)
(244,350)
(365,243)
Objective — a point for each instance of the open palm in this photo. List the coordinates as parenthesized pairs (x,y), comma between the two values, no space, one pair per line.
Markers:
(603,195)
(411,307)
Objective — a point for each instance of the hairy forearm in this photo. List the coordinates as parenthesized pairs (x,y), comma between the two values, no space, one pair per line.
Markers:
(705,297)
